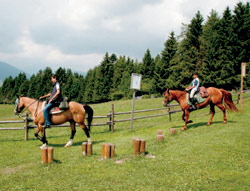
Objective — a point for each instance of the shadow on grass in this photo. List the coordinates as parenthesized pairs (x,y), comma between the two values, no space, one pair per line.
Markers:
(79,143)
(196,125)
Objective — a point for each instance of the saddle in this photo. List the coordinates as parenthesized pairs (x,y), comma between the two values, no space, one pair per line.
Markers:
(200,96)
(64,105)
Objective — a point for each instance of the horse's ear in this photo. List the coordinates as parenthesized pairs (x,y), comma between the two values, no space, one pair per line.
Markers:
(168,90)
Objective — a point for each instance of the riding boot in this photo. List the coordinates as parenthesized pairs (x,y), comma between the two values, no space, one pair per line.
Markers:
(193,101)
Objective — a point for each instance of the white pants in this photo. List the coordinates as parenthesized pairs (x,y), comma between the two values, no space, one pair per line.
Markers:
(193,92)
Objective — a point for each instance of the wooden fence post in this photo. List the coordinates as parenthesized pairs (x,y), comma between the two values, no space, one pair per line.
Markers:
(238,97)
(112,118)
(169,112)
(26,129)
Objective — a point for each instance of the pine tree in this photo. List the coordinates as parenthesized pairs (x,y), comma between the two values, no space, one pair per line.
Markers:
(24,88)
(103,80)
(124,86)
(89,84)
(241,38)
(148,65)
(46,86)
(170,49)
(212,67)
(18,80)
(32,86)
(6,88)
(190,51)
(226,59)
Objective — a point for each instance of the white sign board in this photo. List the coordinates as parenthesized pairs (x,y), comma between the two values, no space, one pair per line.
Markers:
(135,81)
(243,69)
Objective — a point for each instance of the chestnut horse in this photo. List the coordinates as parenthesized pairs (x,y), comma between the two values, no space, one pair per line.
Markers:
(75,114)
(215,97)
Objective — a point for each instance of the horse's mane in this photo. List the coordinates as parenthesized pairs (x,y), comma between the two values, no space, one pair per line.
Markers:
(177,93)
(28,97)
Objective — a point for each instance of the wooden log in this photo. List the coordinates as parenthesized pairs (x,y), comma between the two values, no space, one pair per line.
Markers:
(142,146)
(172,131)
(89,149)
(84,148)
(44,155)
(133,142)
(137,147)
(103,151)
(50,154)
(160,138)
(107,151)
(159,132)
(112,151)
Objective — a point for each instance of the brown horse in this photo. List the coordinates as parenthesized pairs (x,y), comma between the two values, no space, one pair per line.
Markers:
(215,98)
(75,114)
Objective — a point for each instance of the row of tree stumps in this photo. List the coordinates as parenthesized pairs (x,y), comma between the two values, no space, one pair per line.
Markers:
(160,135)
(108,149)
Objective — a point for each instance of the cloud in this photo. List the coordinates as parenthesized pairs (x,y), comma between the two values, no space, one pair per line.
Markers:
(77,33)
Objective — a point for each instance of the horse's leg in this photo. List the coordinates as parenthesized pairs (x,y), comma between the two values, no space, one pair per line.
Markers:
(37,135)
(85,129)
(183,117)
(44,140)
(186,120)
(224,112)
(73,132)
(212,110)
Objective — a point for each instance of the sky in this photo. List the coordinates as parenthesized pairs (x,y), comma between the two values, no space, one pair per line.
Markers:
(76,34)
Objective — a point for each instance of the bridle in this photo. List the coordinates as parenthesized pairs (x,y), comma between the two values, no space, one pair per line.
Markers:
(167,99)
(25,108)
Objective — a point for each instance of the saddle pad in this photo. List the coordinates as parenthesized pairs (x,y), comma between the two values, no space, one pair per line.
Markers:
(54,110)
(198,97)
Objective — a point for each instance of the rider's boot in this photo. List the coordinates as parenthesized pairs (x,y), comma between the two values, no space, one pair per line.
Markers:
(193,101)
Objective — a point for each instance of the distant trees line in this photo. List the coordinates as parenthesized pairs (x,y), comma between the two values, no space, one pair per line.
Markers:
(215,49)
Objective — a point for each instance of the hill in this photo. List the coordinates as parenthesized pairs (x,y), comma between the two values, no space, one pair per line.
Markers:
(7,70)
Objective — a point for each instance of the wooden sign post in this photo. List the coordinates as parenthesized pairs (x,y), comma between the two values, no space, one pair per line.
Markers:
(135,85)
(243,74)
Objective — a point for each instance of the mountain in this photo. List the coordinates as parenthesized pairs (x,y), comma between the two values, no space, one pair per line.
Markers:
(7,70)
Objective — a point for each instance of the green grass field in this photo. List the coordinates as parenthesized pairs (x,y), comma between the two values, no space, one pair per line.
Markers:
(215,157)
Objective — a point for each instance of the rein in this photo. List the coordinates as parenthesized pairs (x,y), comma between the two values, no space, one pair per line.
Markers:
(29,106)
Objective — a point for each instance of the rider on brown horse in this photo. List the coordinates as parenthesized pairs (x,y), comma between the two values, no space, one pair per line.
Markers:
(194,88)
(54,99)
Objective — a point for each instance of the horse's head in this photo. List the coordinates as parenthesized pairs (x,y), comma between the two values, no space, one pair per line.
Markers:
(19,105)
(167,97)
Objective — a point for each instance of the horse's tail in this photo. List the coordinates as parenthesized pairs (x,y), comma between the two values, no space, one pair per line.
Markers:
(228,102)
(90,113)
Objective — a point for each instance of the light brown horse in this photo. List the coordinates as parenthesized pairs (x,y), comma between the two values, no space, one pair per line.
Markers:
(75,114)
(216,97)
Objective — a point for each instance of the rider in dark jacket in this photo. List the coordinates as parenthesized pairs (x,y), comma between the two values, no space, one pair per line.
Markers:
(54,99)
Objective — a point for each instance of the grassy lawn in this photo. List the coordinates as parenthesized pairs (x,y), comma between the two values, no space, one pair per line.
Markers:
(215,157)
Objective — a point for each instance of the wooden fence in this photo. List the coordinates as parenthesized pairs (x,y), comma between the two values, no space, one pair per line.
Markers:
(110,119)
(109,116)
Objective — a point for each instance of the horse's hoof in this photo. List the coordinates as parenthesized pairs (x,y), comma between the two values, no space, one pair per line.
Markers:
(225,122)
(68,144)
(183,129)
(208,124)
(89,140)
(44,146)
(190,121)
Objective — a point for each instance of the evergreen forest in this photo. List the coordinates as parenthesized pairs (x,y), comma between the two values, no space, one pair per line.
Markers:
(214,47)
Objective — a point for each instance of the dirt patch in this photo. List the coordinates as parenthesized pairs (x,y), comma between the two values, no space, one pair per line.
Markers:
(6,171)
